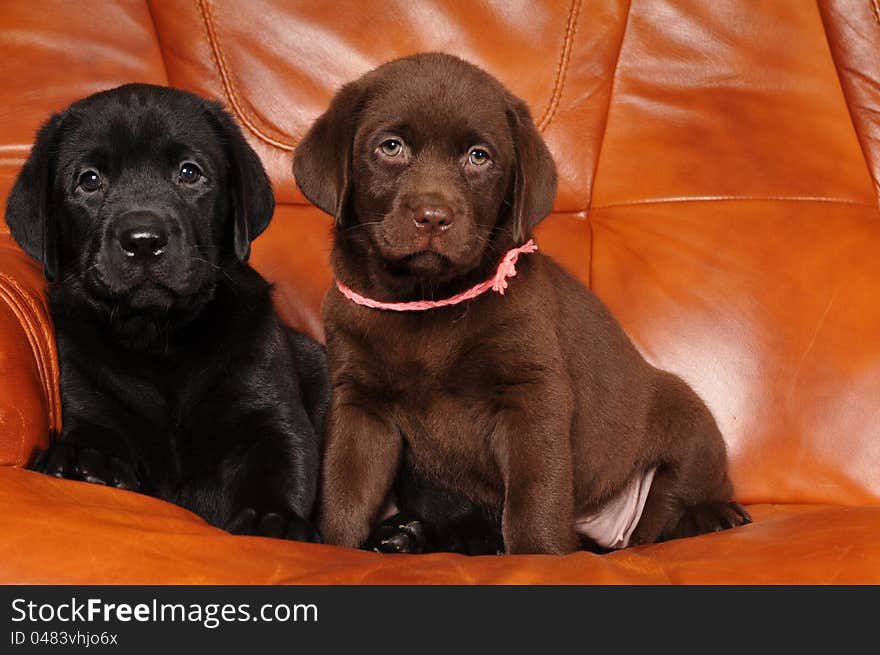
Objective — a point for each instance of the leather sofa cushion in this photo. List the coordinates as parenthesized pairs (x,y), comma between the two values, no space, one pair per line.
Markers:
(96,535)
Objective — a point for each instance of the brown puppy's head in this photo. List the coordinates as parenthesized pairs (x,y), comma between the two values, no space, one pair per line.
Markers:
(429,164)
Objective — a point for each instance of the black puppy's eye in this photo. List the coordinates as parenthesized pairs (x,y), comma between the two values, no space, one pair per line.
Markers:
(89,181)
(391,147)
(478,156)
(189,173)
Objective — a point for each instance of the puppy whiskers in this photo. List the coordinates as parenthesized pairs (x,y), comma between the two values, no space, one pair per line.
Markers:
(357,226)
(212,265)
(81,273)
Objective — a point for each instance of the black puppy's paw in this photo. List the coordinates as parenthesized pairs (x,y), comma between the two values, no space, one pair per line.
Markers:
(467,538)
(479,545)
(71,462)
(278,525)
(398,534)
(711,517)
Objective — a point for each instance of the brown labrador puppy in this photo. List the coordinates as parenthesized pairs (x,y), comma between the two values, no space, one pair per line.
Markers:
(533,403)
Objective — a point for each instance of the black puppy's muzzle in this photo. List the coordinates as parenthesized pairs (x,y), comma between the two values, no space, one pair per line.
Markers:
(142,236)
(143,256)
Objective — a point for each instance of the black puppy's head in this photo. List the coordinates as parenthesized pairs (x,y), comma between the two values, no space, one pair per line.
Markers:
(432,161)
(139,195)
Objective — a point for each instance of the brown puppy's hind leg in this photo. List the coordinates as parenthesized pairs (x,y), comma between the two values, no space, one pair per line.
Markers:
(691,492)
(533,447)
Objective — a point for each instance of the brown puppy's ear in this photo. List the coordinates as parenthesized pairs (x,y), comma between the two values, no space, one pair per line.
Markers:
(534,185)
(29,207)
(251,197)
(322,161)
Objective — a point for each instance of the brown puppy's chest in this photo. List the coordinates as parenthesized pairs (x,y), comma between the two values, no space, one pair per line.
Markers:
(449,441)
(441,382)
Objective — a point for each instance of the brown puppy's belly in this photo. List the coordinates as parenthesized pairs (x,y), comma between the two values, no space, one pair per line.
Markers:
(449,442)
(614,522)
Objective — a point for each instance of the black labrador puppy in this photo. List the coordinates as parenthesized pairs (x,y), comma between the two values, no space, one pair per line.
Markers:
(177,378)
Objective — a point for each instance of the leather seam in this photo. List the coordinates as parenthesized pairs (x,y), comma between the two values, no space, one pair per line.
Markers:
(562,67)
(660,201)
(843,92)
(158,40)
(875,6)
(237,106)
(45,356)
(228,83)
(682,199)
(5,296)
(41,341)
(592,233)
(608,107)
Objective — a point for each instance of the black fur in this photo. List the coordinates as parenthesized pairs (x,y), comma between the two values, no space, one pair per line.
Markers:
(177,378)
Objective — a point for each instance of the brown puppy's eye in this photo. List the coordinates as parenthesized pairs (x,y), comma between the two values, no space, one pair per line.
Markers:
(189,173)
(478,156)
(391,147)
(89,181)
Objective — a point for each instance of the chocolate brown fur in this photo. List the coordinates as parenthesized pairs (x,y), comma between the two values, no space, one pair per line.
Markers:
(535,404)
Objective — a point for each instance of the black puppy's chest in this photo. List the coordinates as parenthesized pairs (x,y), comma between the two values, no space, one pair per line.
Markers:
(167,403)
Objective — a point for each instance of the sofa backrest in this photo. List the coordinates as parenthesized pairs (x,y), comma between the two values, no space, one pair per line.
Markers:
(719,172)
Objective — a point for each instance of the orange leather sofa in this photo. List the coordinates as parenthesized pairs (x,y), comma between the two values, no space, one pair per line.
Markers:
(719,174)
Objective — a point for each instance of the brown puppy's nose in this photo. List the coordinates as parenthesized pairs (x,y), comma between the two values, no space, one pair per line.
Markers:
(436,217)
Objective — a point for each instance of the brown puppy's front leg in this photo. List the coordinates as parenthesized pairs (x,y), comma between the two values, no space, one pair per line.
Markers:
(361,459)
(534,454)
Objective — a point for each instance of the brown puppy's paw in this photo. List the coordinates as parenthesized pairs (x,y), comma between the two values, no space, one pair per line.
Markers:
(398,534)
(711,517)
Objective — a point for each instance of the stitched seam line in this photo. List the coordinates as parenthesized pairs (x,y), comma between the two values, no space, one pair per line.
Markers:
(41,342)
(39,329)
(846,99)
(608,108)
(25,315)
(660,201)
(875,6)
(238,108)
(229,85)
(562,67)
(10,301)
(592,247)
(682,199)
(158,40)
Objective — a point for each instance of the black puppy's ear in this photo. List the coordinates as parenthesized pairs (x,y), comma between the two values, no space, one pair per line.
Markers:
(29,207)
(322,161)
(534,184)
(251,191)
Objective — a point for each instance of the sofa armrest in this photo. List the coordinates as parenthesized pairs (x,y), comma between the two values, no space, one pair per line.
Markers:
(30,406)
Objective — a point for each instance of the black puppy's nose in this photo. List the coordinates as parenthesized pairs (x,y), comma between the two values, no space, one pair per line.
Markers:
(143,243)
(436,217)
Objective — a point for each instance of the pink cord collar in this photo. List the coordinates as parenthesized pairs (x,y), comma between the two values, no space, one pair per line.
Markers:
(498,283)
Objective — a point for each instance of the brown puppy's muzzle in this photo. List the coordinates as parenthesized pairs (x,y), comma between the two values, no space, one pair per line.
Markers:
(424,221)
(432,217)
(432,233)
